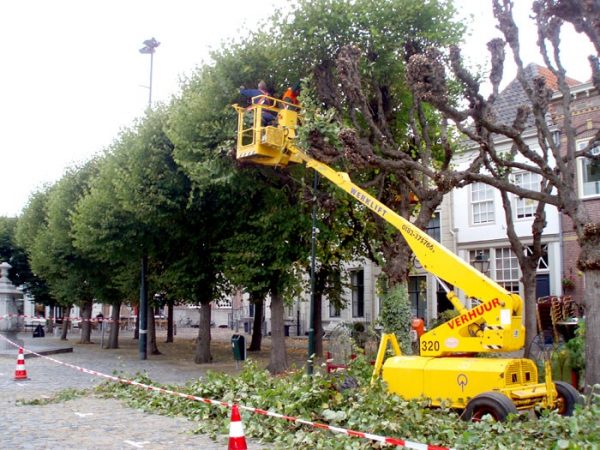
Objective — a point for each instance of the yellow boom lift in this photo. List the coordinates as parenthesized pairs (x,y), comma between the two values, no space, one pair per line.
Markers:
(444,373)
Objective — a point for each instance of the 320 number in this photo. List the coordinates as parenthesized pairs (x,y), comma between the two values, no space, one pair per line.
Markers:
(430,346)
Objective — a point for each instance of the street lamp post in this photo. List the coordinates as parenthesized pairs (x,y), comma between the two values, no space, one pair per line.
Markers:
(148,49)
(313,258)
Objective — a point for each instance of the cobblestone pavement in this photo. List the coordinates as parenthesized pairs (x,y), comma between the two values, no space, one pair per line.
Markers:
(89,422)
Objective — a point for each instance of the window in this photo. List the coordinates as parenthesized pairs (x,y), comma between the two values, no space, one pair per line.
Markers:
(507,269)
(417,296)
(525,207)
(357,281)
(590,177)
(589,172)
(543,264)
(433,227)
(482,203)
(334,310)
(224,303)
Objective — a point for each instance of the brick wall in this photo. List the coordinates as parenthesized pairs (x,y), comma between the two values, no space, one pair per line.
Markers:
(585,119)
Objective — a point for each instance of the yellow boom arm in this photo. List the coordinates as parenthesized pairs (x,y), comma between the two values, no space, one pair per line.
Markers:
(495,324)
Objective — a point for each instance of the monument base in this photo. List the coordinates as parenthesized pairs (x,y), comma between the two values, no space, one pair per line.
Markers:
(12,336)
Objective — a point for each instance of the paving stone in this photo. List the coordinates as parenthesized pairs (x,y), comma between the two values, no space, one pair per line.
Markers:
(90,422)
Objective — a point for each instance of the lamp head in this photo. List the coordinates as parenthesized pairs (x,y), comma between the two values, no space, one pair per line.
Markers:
(149,46)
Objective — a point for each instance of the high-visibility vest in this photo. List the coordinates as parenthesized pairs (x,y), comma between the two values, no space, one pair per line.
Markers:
(290,97)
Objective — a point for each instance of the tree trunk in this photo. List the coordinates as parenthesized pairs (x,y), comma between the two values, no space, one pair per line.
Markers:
(50,321)
(278,359)
(259,306)
(397,256)
(113,336)
(529,307)
(86,324)
(318,324)
(152,345)
(589,264)
(527,262)
(170,329)
(66,324)
(203,355)
(592,328)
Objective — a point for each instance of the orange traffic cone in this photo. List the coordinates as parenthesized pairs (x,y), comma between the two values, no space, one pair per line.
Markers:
(20,372)
(237,440)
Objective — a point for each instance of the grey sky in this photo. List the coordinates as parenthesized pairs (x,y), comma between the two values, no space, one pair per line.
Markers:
(72,75)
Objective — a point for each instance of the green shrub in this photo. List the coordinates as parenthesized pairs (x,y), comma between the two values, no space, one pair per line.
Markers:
(395,315)
(444,316)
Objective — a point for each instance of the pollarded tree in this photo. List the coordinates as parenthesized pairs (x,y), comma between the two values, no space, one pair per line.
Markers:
(357,54)
(139,194)
(193,254)
(103,231)
(31,221)
(202,125)
(245,265)
(556,167)
(151,188)
(71,276)
(341,238)
(268,241)
(376,106)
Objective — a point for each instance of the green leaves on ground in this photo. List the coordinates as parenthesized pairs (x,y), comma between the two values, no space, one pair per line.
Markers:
(59,397)
(366,408)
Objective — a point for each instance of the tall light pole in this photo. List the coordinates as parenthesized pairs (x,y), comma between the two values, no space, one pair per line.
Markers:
(148,48)
(313,259)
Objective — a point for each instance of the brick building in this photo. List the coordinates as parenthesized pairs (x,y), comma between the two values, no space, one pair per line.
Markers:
(585,118)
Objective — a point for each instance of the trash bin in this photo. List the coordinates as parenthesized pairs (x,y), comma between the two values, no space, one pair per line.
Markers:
(238,345)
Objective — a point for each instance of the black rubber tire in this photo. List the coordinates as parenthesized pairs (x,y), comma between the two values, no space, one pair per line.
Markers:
(498,405)
(568,397)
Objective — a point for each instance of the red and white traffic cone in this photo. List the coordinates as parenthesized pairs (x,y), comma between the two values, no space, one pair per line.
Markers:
(237,440)
(20,372)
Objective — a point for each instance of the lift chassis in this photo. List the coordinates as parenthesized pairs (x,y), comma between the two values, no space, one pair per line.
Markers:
(445,372)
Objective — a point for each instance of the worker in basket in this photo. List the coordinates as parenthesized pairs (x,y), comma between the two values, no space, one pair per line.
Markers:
(291,96)
(259,97)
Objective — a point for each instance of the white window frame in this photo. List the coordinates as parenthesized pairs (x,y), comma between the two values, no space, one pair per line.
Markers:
(524,208)
(507,272)
(482,195)
(334,312)
(581,168)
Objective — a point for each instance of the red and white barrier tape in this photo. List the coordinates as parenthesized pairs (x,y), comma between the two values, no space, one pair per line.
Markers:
(68,319)
(321,426)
